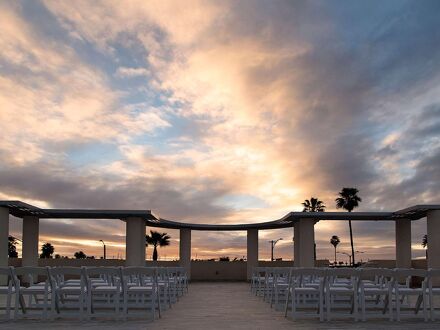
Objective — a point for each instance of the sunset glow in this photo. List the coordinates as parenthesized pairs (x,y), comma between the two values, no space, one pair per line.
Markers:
(219,112)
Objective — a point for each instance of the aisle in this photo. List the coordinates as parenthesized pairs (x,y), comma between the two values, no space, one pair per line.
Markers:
(223,305)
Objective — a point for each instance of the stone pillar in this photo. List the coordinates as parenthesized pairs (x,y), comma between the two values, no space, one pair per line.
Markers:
(252,251)
(4,233)
(403,243)
(135,242)
(296,244)
(433,222)
(30,241)
(306,243)
(185,250)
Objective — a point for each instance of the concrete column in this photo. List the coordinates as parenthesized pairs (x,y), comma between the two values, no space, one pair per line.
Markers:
(185,250)
(30,241)
(433,222)
(403,243)
(307,243)
(252,251)
(4,233)
(135,242)
(296,244)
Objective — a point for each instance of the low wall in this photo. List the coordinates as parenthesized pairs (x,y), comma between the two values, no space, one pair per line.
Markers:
(415,263)
(204,270)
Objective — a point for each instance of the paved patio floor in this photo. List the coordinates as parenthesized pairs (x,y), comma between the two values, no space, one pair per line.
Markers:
(218,306)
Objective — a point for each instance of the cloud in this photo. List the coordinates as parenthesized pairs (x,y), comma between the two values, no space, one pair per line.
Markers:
(202,102)
(124,72)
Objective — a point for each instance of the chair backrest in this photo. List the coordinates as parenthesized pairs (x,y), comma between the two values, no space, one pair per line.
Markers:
(133,270)
(139,276)
(433,277)
(374,273)
(31,275)
(7,274)
(61,274)
(400,273)
(112,275)
(303,276)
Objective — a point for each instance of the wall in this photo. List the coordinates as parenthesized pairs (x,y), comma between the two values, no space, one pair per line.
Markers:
(204,270)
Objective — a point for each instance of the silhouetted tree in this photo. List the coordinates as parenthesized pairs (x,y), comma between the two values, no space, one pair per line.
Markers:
(12,249)
(425,241)
(79,255)
(348,200)
(313,205)
(157,239)
(47,250)
(425,244)
(335,241)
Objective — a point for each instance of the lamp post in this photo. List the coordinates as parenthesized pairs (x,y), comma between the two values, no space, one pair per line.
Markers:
(105,256)
(273,242)
(349,256)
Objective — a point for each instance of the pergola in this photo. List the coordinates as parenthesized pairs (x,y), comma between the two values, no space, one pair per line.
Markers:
(302,222)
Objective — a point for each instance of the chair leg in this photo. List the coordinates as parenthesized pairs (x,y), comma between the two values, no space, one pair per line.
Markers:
(8,306)
(321,307)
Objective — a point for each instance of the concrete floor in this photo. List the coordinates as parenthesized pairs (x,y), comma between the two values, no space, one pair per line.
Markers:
(219,306)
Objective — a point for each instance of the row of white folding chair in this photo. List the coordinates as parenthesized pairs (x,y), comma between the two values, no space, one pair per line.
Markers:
(349,287)
(93,288)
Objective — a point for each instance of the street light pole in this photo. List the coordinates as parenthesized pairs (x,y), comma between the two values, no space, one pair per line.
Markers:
(273,242)
(105,256)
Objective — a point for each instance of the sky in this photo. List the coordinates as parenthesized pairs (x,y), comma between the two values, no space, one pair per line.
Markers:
(219,112)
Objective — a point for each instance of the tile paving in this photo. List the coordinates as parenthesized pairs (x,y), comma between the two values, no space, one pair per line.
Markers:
(219,305)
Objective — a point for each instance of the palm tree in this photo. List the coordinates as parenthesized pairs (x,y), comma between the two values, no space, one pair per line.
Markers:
(47,250)
(157,239)
(12,249)
(335,241)
(80,255)
(313,205)
(348,200)
(425,244)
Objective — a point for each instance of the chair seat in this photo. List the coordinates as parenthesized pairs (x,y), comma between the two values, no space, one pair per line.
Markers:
(74,289)
(140,288)
(340,290)
(410,291)
(5,289)
(306,290)
(34,289)
(107,288)
(374,291)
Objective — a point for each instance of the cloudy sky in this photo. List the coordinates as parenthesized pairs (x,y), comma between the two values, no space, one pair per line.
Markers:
(219,112)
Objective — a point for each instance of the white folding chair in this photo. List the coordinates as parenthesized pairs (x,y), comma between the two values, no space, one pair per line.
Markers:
(406,291)
(141,293)
(104,291)
(341,292)
(305,293)
(375,292)
(280,286)
(70,287)
(9,290)
(166,292)
(35,283)
(257,280)
(433,290)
